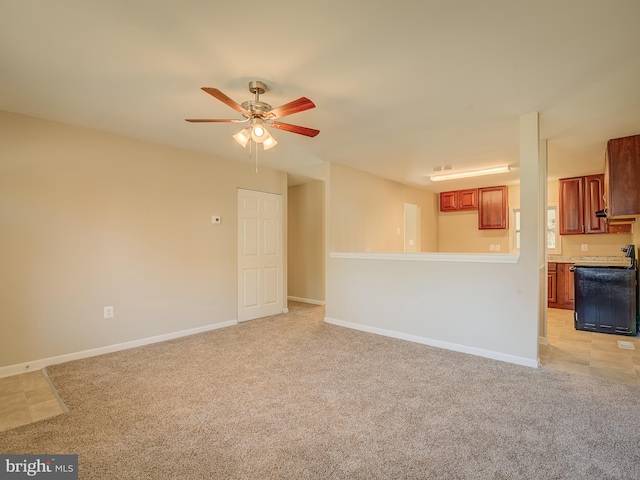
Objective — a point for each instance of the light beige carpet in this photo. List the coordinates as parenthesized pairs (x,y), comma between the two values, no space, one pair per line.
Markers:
(294,398)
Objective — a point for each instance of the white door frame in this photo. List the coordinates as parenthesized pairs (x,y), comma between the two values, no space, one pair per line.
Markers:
(412,228)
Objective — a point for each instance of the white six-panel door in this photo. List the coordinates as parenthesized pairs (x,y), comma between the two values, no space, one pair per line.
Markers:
(260,255)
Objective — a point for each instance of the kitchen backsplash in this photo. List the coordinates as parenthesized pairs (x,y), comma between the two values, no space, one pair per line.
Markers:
(597,245)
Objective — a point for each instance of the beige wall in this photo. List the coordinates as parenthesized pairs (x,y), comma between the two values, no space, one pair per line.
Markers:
(418,297)
(306,242)
(597,244)
(90,219)
(370,217)
(458,231)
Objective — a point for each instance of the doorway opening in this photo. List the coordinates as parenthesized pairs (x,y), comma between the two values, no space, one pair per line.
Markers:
(411,227)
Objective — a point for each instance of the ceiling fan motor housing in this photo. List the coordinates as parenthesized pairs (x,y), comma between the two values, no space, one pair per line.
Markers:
(255,106)
(257,87)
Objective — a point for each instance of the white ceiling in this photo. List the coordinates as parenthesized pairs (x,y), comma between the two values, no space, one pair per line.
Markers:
(400,87)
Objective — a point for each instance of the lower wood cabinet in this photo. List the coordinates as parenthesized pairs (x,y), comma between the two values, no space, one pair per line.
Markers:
(552,284)
(560,286)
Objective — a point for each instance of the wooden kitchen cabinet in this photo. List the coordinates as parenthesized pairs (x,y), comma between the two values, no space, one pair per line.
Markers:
(580,199)
(560,285)
(459,200)
(621,173)
(571,205)
(468,199)
(448,201)
(594,202)
(492,208)
(552,283)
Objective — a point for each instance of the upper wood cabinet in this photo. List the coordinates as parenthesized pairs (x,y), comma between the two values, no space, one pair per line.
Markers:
(580,199)
(621,174)
(459,200)
(492,208)
(571,205)
(593,202)
(448,201)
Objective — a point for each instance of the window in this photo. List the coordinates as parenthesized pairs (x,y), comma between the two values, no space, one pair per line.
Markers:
(553,242)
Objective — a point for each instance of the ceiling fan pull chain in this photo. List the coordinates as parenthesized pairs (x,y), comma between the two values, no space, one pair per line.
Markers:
(251,142)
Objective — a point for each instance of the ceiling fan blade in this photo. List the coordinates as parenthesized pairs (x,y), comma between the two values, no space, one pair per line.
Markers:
(226,120)
(214,92)
(299,105)
(309,132)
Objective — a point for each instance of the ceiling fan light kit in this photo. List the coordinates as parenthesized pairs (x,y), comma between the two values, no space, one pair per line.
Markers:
(269,142)
(243,136)
(469,173)
(258,132)
(260,115)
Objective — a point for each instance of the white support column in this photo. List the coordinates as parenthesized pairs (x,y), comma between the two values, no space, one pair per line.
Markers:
(533,211)
(542,250)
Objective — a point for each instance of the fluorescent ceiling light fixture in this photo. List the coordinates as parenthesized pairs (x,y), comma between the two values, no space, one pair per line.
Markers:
(469,173)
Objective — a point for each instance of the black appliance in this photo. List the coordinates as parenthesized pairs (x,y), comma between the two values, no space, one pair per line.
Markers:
(606,296)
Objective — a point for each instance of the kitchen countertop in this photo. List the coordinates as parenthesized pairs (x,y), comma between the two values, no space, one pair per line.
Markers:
(596,260)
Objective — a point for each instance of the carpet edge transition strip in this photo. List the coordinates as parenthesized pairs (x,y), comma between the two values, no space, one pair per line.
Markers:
(64,407)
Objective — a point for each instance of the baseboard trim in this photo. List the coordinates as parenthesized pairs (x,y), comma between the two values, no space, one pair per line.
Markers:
(527,362)
(45,362)
(306,300)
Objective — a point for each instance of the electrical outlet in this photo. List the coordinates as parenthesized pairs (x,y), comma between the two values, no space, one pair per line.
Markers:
(492,247)
(584,247)
(497,247)
(108,312)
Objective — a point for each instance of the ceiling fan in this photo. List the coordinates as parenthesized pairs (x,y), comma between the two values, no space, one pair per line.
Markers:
(260,114)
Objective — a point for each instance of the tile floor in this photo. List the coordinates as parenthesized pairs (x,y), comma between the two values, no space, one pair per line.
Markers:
(26,398)
(587,353)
